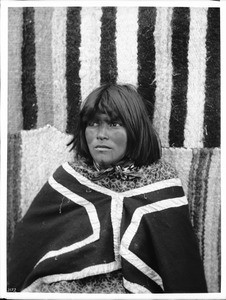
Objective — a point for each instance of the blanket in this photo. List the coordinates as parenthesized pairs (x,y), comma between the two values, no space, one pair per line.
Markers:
(76,228)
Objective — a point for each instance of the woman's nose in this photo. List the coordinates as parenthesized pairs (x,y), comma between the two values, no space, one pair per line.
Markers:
(102,132)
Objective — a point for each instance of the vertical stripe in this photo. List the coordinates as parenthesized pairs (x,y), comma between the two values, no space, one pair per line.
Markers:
(205,175)
(180,39)
(181,159)
(212,224)
(13,184)
(198,185)
(126,44)
(196,78)
(218,275)
(212,105)
(90,49)
(59,67)
(73,40)
(146,57)
(15,21)
(191,186)
(163,66)
(42,151)
(108,64)
(43,75)
(29,99)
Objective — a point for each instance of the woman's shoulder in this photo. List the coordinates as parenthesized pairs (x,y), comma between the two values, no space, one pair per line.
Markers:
(76,164)
(82,167)
(158,171)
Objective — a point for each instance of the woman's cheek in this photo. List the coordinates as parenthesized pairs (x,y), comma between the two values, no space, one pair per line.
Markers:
(89,134)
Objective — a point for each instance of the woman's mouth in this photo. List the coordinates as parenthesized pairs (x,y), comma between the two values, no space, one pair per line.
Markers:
(102,147)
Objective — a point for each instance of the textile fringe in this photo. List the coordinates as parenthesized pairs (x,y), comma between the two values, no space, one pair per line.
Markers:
(99,284)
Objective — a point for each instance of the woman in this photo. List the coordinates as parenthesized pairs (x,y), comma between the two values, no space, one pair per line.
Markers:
(117,215)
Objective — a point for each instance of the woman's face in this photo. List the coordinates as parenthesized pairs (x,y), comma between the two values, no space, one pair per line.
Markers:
(106,140)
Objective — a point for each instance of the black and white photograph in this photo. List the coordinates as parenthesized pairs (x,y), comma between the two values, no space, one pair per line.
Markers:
(111,138)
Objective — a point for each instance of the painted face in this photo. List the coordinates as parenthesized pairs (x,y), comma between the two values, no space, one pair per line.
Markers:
(106,140)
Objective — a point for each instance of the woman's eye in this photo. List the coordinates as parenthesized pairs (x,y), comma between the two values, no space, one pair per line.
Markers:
(92,123)
(115,124)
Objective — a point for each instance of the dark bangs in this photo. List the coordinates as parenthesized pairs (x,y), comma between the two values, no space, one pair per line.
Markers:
(104,104)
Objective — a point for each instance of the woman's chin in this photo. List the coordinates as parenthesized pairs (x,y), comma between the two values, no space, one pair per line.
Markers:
(103,164)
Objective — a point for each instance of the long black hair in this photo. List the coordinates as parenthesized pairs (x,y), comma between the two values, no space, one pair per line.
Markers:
(124,103)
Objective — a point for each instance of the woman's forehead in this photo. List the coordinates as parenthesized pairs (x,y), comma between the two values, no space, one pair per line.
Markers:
(103,116)
(106,112)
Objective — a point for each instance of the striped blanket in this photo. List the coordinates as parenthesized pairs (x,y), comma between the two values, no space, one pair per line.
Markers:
(75,228)
(57,55)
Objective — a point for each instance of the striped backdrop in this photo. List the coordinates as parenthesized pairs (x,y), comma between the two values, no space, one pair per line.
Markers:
(57,55)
